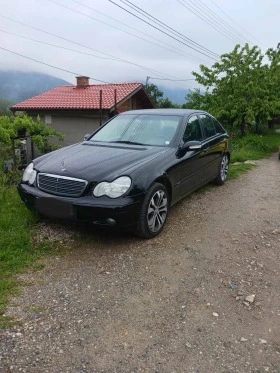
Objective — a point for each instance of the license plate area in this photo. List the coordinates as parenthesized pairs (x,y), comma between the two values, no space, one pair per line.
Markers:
(54,208)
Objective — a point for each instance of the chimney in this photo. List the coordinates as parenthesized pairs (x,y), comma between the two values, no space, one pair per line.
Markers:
(82,81)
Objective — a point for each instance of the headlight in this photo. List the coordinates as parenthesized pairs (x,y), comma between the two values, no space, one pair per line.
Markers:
(29,174)
(114,189)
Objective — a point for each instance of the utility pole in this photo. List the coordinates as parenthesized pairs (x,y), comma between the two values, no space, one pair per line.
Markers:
(147,79)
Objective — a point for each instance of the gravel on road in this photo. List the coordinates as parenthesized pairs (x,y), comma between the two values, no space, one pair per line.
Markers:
(202,297)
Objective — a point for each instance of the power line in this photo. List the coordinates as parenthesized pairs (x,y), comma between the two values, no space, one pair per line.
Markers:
(193,10)
(219,19)
(172,80)
(49,65)
(232,20)
(71,72)
(117,28)
(204,51)
(174,49)
(72,50)
(86,15)
(57,46)
(87,47)
(180,41)
(165,26)
(84,53)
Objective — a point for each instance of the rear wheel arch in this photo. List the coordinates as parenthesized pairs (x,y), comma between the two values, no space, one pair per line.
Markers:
(228,154)
(223,170)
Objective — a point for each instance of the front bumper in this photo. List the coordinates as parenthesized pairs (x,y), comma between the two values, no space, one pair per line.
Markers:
(120,212)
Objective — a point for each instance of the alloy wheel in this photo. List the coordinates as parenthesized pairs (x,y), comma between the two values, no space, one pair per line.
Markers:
(224,168)
(157,211)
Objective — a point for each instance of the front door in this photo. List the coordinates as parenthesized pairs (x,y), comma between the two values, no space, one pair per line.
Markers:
(190,168)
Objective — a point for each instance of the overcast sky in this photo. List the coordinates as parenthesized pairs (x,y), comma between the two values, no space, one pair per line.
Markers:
(255,21)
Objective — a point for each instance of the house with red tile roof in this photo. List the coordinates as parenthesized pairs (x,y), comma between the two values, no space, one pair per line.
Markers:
(80,109)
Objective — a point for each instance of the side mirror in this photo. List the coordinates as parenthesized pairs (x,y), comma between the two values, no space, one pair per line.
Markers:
(191,145)
(86,136)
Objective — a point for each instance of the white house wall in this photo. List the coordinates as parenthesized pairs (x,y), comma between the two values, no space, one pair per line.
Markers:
(74,129)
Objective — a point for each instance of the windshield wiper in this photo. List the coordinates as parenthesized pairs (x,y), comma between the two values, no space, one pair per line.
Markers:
(128,142)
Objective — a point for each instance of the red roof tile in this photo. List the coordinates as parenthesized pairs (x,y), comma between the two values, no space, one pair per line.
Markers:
(70,97)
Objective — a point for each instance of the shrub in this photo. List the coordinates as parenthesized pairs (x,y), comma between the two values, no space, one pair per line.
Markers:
(13,127)
(252,142)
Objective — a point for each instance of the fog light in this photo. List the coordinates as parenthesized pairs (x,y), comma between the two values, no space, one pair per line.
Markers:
(110,221)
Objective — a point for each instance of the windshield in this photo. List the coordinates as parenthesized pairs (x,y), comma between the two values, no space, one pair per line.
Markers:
(139,129)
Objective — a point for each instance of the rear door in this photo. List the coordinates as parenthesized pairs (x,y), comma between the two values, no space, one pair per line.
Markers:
(213,144)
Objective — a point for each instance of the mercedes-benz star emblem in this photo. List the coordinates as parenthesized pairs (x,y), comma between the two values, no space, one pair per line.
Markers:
(63,166)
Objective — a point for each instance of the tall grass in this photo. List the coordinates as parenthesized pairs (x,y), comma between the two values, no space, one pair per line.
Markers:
(16,248)
(253,147)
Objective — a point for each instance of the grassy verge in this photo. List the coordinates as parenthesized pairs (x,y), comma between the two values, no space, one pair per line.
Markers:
(236,171)
(17,250)
(252,147)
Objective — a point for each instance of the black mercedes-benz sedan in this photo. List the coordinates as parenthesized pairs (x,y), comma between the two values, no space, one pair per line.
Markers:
(131,170)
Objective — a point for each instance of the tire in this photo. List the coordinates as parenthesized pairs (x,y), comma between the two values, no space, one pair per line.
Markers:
(223,171)
(153,212)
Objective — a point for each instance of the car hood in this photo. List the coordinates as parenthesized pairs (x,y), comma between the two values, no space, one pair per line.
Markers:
(96,162)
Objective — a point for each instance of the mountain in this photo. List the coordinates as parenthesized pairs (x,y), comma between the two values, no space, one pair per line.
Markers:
(17,86)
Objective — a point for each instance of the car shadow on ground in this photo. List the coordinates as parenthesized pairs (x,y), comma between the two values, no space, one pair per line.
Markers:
(82,235)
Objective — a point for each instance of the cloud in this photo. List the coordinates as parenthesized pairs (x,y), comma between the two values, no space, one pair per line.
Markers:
(259,18)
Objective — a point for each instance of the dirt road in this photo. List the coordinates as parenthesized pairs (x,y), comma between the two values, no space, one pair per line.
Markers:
(203,297)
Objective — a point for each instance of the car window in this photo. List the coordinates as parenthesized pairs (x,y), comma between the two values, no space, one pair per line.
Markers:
(147,129)
(207,125)
(218,127)
(193,130)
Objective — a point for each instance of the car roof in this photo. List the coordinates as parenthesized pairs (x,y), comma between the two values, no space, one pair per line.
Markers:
(180,112)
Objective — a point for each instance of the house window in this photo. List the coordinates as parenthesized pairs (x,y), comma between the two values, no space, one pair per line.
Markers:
(48,119)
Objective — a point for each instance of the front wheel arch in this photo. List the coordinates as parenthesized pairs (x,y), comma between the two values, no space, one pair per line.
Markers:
(166,182)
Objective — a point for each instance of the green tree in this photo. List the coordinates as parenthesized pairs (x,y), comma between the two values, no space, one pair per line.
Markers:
(198,100)
(4,107)
(166,103)
(154,93)
(273,67)
(241,89)
(156,96)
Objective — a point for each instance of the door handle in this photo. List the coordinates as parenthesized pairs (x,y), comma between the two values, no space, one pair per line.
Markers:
(205,150)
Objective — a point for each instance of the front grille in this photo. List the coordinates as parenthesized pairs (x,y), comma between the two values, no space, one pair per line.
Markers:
(61,185)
